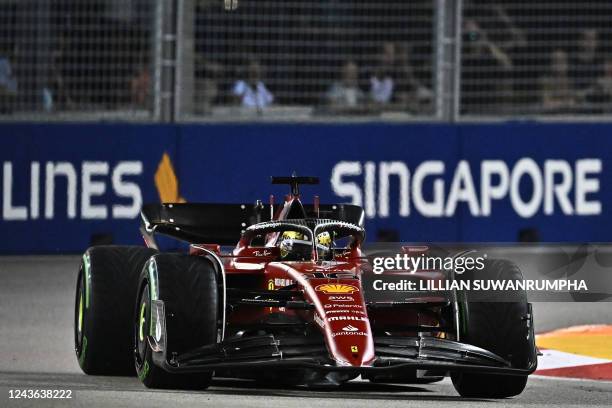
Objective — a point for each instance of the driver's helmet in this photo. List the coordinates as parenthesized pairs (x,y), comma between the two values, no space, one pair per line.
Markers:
(324,240)
(295,246)
(324,246)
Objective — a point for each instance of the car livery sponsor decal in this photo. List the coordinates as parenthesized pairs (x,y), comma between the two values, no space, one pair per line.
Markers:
(343,333)
(283,282)
(344,311)
(337,298)
(336,288)
(358,318)
(354,349)
(343,305)
(349,330)
(279,283)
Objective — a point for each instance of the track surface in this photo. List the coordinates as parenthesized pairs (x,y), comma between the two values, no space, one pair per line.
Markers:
(36,352)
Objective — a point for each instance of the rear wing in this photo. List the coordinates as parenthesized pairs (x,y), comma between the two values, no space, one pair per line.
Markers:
(224,224)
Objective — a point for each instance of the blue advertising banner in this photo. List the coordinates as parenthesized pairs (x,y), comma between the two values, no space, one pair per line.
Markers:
(552,177)
(427,182)
(369,165)
(65,186)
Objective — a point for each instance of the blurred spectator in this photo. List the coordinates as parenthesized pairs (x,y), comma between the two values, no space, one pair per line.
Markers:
(252,92)
(486,70)
(60,98)
(140,88)
(208,84)
(412,95)
(382,81)
(508,35)
(8,85)
(344,95)
(558,94)
(504,31)
(602,92)
(586,65)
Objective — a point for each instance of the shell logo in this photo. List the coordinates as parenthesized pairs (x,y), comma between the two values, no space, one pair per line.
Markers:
(336,288)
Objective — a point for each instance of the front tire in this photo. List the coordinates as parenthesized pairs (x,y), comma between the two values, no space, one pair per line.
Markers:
(187,286)
(105,293)
(502,327)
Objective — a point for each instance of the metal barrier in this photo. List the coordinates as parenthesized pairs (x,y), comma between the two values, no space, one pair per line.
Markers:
(329,60)
(76,60)
(546,58)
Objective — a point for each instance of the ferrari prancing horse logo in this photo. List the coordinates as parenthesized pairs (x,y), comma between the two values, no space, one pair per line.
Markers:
(336,288)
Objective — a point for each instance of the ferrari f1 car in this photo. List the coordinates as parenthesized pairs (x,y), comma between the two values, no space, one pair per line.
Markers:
(288,303)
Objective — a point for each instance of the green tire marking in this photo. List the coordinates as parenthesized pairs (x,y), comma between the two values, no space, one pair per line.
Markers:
(142,321)
(87,274)
(153,280)
(142,374)
(81,312)
(83,351)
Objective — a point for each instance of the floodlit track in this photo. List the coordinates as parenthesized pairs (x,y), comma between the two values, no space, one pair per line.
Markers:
(36,352)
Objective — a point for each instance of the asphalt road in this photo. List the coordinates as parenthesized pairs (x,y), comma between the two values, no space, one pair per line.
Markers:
(36,352)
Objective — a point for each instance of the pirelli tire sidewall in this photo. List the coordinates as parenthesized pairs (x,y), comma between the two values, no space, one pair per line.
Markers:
(187,286)
(106,289)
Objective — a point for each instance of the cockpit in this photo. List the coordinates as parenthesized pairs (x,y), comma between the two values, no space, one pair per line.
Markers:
(305,239)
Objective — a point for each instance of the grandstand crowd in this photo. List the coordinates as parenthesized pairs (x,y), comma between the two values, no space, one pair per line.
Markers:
(338,56)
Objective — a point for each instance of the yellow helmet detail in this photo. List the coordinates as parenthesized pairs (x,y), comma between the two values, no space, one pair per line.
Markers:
(324,239)
(292,235)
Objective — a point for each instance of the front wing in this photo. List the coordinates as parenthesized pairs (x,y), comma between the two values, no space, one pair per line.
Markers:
(394,354)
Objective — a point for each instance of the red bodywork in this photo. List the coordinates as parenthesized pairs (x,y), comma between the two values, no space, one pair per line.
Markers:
(297,293)
(333,287)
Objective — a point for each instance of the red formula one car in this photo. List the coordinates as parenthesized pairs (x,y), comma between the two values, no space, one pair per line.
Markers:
(288,303)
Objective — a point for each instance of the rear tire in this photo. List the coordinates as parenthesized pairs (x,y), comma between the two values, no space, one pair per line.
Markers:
(188,287)
(105,294)
(500,327)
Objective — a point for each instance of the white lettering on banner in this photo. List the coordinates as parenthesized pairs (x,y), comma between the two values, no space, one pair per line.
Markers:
(126,189)
(9,211)
(561,190)
(488,190)
(63,169)
(530,168)
(34,190)
(91,181)
(551,184)
(344,188)
(586,185)
(462,189)
(388,169)
(370,199)
(434,208)
(92,188)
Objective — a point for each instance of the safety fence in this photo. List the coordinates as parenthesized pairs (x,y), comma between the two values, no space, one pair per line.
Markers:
(289,60)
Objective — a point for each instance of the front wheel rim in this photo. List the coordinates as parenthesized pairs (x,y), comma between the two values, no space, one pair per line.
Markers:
(141,324)
(79,314)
